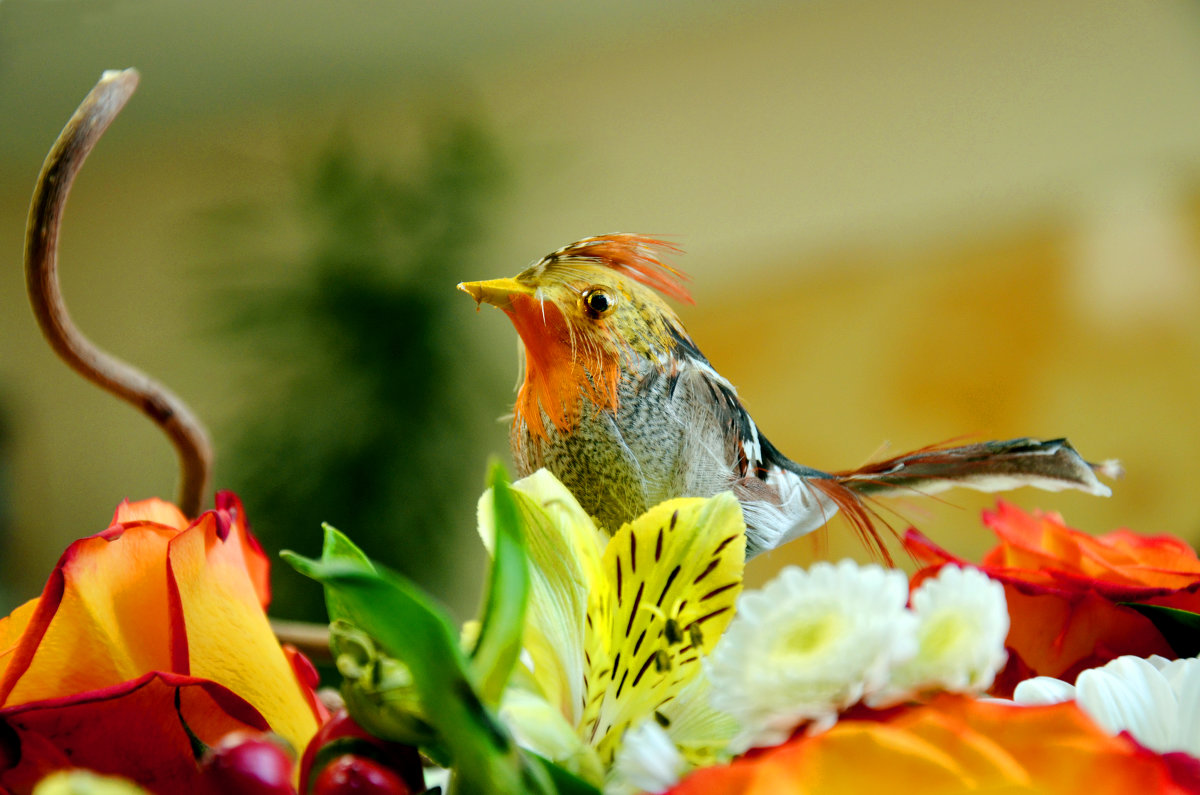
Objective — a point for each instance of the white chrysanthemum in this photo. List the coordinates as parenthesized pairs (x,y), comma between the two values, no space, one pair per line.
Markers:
(807,645)
(962,621)
(1156,700)
(647,761)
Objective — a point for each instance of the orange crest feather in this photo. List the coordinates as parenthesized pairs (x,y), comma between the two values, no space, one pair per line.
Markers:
(635,256)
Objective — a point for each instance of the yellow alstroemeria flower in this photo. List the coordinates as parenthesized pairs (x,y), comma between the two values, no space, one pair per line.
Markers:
(616,627)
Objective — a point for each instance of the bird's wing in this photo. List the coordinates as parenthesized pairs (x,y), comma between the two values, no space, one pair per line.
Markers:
(781,500)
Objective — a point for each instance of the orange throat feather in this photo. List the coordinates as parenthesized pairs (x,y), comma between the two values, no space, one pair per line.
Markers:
(562,368)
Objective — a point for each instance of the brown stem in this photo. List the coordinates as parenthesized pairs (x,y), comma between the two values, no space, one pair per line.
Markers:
(312,639)
(185,431)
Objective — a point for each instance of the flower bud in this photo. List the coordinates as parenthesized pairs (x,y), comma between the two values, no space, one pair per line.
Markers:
(377,689)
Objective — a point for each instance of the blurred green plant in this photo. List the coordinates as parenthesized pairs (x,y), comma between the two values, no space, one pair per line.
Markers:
(364,412)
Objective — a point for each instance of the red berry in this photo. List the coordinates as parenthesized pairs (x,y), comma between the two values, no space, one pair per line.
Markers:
(249,764)
(357,775)
(340,725)
(341,736)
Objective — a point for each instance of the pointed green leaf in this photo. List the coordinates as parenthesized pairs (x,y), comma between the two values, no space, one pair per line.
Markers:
(408,626)
(564,781)
(338,547)
(1180,628)
(502,623)
(405,622)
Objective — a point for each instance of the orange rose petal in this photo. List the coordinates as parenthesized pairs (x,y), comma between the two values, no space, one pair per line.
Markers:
(853,757)
(925,551)
(215,611)
(1162,561)
(131,730)
(309,679)
(1159,550)
(977,756)
(1061,749)
(1020,535)
(1102,560)
(1040,540)
(1186,599)
(152,510)
(953,745)
(25,759)
(735,778)
(12,627)
(1061,634)
(210,708)
(898,757)
(101,619)
(256,561)
(1032,541)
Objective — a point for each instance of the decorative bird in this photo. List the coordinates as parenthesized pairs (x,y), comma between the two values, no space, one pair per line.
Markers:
(618,402)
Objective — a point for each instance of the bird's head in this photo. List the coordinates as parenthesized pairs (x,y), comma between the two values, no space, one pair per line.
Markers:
(586,314)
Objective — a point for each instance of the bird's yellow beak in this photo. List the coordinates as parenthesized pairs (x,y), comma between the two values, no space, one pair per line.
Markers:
(497,292)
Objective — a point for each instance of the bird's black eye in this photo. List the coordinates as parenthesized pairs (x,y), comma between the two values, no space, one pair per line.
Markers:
(598,302)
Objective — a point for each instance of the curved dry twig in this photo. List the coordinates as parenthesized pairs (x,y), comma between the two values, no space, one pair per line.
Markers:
(311,639)
(185,431)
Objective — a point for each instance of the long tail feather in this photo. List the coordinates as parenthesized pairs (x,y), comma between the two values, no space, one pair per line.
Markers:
(988,466)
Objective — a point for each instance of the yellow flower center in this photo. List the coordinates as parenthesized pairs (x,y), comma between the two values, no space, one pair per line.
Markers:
(808,638)
(943,635)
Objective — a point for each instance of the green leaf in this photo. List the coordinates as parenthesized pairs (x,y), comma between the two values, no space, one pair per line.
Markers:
(408,626)
(564,781)
(338,547)
(1180,628)
(502,623)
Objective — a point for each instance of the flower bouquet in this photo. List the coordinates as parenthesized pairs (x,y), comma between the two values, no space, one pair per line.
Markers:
(614,658)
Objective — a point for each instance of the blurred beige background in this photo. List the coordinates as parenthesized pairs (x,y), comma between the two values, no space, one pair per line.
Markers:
(905,222)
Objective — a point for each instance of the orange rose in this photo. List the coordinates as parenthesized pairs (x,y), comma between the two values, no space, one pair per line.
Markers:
(1064,590)
(152,610)
(953,744)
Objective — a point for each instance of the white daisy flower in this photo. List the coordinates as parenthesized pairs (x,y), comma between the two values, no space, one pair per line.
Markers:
(808,644)
(647,761)
(962,621)
(1156,700)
